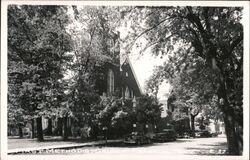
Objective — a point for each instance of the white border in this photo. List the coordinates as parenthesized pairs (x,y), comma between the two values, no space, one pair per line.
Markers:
(3,138)
(130,3)
(246,44)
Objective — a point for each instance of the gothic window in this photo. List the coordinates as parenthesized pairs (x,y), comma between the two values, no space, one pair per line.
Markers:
(110,85)
(102,76)
(111,45)
(122,92)
(126,92)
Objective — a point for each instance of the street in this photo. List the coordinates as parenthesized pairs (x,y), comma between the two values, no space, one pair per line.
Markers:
(197,146)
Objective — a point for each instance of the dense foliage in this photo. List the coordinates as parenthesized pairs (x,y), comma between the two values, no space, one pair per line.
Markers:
(203,45)
(37,53)
(212,34)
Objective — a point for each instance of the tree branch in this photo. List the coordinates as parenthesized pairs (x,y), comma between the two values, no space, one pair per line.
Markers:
(145,31)
(227,50)
(236,42)
(197,22)
(197,113)
(148,45)
(88,48)
(196,42)
(205,14)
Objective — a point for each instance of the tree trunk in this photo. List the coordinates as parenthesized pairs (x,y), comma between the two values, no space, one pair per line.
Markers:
(49,129)
(192,122)
(65,128)
(39,129)
(59,127)
(239,132)
(187,124)
(69,127)
(20,130)
(144,128)
(232,140)
(202,125)
(32,129)
(229,120)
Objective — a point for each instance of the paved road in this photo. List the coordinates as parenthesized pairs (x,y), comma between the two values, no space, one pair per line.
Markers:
(198,146)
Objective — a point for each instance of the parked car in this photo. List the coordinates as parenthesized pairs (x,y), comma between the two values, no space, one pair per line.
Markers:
(203,134)
(186,134)
(165,135)
(137,138)
(160,137)
(197,133)
(215,134)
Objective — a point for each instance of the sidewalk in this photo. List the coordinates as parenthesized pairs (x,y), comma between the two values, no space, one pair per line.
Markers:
(53,145)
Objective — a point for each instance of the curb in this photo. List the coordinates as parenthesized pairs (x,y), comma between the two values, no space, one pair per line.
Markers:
(69,146)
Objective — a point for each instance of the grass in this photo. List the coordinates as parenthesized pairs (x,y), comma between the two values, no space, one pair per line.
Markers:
(15,142)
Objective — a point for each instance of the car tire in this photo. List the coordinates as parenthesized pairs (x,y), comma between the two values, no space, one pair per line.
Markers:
(138,143)
(149,141)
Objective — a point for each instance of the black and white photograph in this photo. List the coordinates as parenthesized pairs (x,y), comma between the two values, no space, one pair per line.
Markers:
(140,79)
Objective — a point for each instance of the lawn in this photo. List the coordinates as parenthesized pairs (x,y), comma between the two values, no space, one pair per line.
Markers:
(15,142)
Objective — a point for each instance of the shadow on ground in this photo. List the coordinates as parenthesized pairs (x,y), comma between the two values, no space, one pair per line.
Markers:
(121,144)
(209,149)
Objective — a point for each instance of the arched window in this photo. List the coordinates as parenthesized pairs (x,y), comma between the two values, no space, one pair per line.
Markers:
(110,85)
(111,45)
(126,93)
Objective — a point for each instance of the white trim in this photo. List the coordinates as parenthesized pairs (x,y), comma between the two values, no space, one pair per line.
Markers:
(110,82)
(133,72)
(127,95)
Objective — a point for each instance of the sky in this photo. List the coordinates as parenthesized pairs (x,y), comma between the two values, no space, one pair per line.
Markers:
(144,64)
(143,67)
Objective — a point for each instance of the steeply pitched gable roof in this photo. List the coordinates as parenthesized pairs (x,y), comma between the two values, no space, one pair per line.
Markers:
(127,61)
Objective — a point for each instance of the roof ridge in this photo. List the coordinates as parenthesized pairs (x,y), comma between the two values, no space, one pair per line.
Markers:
(132,68)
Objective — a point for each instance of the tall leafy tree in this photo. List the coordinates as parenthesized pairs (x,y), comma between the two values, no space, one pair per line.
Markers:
(148,110)
(215,34)
(114,114)
(93,31)
(194,88)
(154,81)
(37,57)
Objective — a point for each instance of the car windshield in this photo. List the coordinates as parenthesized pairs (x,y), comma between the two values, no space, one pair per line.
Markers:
(168,130)
(135,134)
(160,133)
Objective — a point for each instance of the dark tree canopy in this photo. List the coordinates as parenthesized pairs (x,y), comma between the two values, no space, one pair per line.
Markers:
(37,57)
(203,45)
(212,34)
